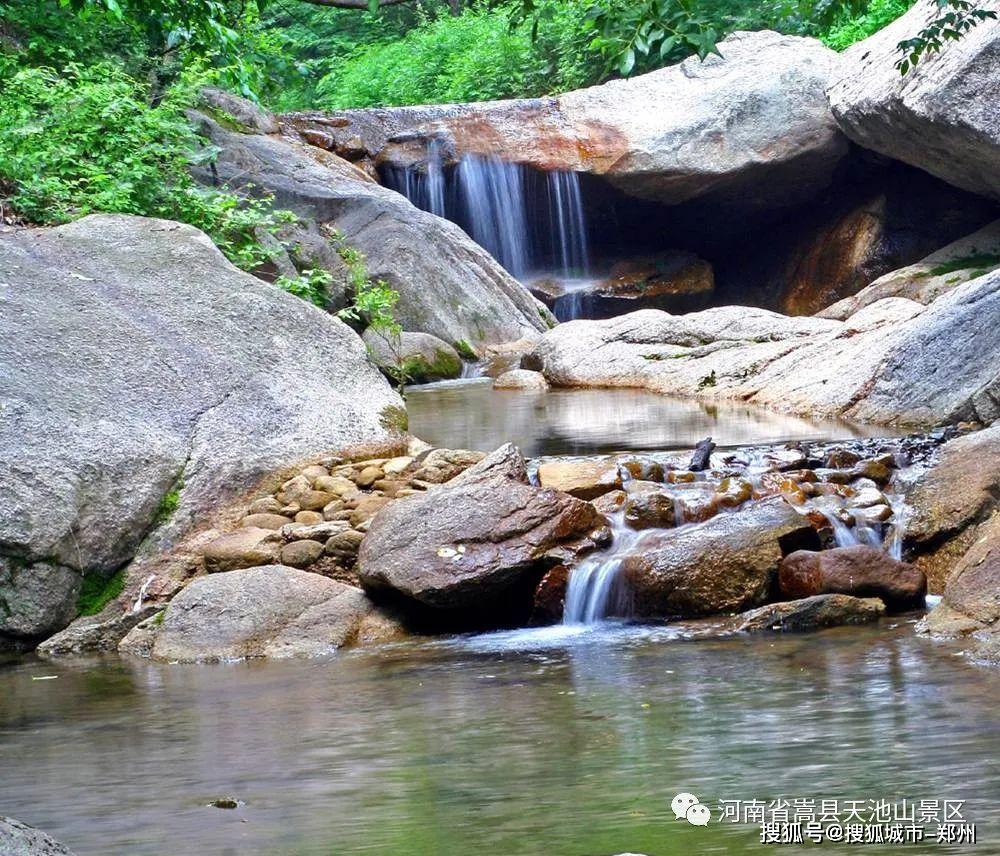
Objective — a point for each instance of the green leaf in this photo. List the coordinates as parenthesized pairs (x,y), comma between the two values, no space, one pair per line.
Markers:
(627,63)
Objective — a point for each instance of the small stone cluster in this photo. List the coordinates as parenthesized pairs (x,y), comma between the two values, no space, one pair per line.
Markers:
(317,519)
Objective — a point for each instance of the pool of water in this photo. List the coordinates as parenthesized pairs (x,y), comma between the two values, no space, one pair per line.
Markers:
(564,742)
(470,414)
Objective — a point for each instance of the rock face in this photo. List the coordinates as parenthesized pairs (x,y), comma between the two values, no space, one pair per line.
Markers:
(137,360)
(448,286)
(19,839)
(971,602)
(895,361)
(951,501)
(420,356)
(861,571)
(941,116)
(477,540)
(960,261)
(270,611)
(727,564)
(751,128)
(811,613)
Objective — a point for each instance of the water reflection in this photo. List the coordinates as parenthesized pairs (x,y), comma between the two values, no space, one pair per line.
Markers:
(565,741)
(471,414)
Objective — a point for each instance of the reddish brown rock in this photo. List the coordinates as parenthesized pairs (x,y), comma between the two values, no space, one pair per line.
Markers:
(861,571)
(472,542)
(550,596)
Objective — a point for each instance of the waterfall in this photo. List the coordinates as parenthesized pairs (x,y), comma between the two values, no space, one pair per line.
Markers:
(596,588)
(528,221)
(492,193)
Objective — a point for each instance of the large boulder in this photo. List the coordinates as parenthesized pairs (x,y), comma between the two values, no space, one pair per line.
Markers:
(811,613)
(895,361)
(271,611)
(477,542)
(727,564)
(146,378)
(859,570)
(950,501)
(448,285)
(19,839)
(940,116)
(926,280)
(751,128)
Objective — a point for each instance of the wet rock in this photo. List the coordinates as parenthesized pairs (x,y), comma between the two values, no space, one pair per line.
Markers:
(272,611)
(938,118)
(841,459)
(651,505)
(521,379)
(860,570)
(610,503)
(584,479)
(728,564)
(550,596)
(19,839)
(461,545)
(92,633)
(243,548)
(811,613)
(701,459)
(923,282)
(301,554)
(421,357)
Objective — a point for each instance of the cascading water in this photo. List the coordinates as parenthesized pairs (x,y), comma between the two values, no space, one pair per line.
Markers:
(596,589)
(528,222)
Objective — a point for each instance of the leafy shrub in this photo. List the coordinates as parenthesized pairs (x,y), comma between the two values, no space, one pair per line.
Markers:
(850,29)
(311,284)
(87,139)
(474,56)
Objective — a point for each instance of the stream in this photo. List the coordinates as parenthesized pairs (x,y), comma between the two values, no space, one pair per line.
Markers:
(570,740)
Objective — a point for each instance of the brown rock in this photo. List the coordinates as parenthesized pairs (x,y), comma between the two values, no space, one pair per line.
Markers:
(300,554)
(314,472)
(610,503)
(471,543)
(368,476)
(550,596)
(584,479)
(367,508)
(841,459)
(860,570)
(345,544)
(811,613)
(265,505)
(309,517)
(264,521)
(243,548)
(314,500)
(728,564)
(337,485)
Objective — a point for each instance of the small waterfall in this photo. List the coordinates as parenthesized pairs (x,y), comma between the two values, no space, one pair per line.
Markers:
(492,192)
(527,220)
(596,589)
(569,227)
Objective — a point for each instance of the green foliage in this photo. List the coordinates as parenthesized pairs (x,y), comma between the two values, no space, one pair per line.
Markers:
(98,591)
(87,139)
(956,19)
(475,56)
(465,350)
(311,284)
(849,29)
(168,504)
(372,303)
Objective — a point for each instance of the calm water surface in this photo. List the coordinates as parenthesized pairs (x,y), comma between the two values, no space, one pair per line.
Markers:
(470,414)
(535,742)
